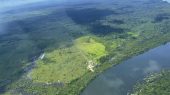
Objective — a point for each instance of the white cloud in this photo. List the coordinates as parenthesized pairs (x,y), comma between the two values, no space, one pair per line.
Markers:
(167,0)
(114,82)
(153,67)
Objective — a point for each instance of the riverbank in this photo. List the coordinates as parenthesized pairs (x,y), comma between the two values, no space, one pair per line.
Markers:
(155,84)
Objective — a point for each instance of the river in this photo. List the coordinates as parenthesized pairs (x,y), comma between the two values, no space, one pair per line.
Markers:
(120,79)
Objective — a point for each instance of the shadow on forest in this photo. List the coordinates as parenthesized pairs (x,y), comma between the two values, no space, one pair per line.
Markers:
(117,21)
(161,17)
(91,15)
(99,29)
(86,16)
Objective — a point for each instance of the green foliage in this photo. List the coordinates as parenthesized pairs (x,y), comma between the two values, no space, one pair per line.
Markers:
(89,46)
(157,84)
(67,64)
(133,34)
(64,65)
(117,43)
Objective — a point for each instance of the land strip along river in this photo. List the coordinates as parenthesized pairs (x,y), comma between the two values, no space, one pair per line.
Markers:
(120,79)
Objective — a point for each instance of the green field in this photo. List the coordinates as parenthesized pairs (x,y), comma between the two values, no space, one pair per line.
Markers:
(68,64)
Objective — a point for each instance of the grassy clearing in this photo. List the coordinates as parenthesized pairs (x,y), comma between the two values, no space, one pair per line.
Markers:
(90,47)
(133,34)
(69,63)
(64,65)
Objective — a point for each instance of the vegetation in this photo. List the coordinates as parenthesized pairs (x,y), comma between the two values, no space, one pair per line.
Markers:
(94,50)
(67,64)
(62,65)
(134,35)
(156,84)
